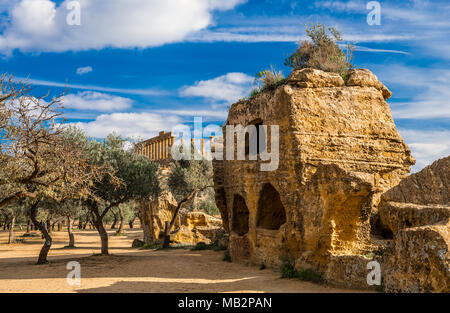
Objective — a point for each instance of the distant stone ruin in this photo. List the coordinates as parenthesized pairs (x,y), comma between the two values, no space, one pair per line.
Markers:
(159,148)
(339,152)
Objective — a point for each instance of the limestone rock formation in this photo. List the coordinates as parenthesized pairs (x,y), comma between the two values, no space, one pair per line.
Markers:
(155,213)
(339,151)
(190,227)
(417,213)
(197,227)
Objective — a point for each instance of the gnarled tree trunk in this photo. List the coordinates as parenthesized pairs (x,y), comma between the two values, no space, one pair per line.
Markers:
(70,232)
(48,239)
(98,223)
(120,230)
(131,223)
(11,229)
(113,226)
(168,226)
(145,223)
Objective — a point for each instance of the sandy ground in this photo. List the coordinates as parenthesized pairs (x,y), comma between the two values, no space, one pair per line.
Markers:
(132,270)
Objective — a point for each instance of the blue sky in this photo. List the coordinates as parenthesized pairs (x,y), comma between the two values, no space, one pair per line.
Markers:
(140,66)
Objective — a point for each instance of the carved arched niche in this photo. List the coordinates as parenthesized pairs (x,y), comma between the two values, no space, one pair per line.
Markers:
(271,212)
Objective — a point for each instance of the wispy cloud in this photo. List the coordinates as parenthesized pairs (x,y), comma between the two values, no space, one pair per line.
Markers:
(426,146)
(84,70)
(96,101)
(227,88)
(426,90)
(145,92)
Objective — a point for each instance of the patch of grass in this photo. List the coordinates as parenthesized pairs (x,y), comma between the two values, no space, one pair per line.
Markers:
(218,247)
(254,92)
(97,254)
(288,271)
(69,247)
(201,246)
(214,246)
(226,256)
(150,246)
(380,288)
(309,275)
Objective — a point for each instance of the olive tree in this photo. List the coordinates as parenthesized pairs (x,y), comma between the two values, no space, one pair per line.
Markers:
(186,180)
(134,178)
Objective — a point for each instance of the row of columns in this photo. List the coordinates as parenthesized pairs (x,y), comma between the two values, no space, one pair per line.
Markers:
(158,148)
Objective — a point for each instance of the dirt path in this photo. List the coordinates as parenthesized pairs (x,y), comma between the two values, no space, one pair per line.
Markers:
(131,270)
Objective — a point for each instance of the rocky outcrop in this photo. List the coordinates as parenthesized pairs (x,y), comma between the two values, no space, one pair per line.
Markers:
(191,227)
(417,213)
(197,227)
(156,212)
(339,151)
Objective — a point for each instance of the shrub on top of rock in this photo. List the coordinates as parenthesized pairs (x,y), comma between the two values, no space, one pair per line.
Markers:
(322,52)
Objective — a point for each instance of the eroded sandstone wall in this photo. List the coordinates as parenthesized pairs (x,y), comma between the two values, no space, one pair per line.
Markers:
(339,151)
(417,214)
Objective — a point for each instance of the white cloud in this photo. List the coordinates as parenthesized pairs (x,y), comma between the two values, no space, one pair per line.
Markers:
(426,146)
(219,114)
(426,87)
(134,125)
(144,92)
(84,70)
(40,25)
(96,101)
(229,88)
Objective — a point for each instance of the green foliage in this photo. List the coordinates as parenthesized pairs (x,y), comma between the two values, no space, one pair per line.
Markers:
(267,80)
(288,271)
(322,51)
(209,206)
(309,275)
(151,246)
(201,246)
(214,246)
(226,256)
(187,175)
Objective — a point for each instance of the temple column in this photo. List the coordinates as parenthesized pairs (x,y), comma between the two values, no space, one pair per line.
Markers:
(159,150)
(167,148)
(202,144)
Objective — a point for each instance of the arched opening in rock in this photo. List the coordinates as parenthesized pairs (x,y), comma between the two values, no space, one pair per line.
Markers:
(260,136)
(271,212)
(240,216)
(221,202)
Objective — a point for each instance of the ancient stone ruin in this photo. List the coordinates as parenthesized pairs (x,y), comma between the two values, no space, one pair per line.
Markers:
(339,152)
(416,213)
(191,227)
